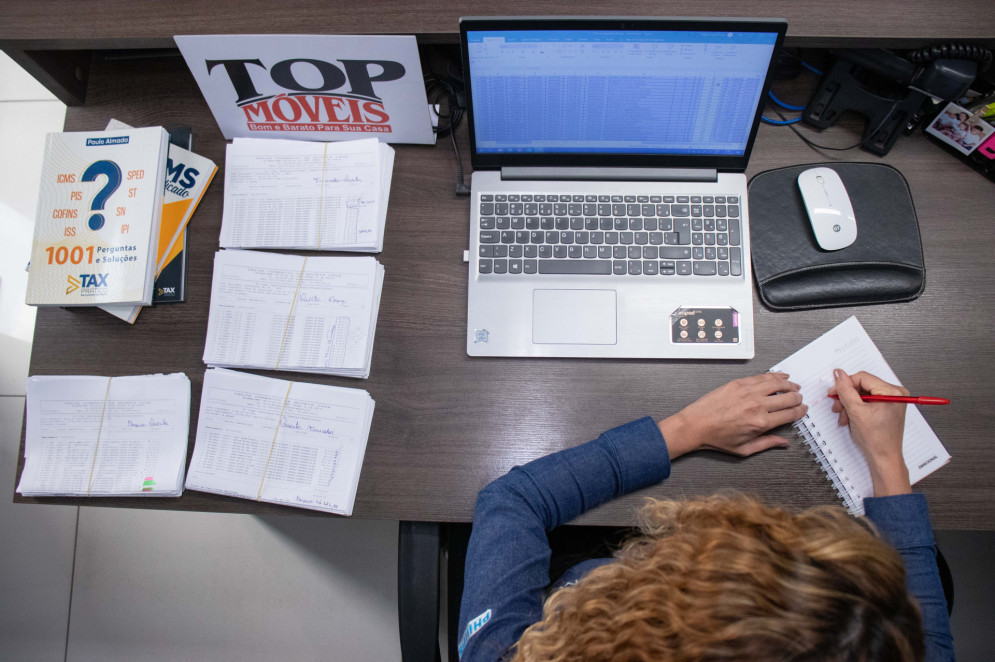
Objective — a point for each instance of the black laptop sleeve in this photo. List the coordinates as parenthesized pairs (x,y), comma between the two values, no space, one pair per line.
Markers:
(884,264)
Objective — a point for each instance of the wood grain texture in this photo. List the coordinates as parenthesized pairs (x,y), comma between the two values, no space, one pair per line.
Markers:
(34,31)
(61,24)
(446,424)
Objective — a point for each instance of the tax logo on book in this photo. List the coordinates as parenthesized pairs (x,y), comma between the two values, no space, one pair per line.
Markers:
(88,284)
(73,284)
(312,87)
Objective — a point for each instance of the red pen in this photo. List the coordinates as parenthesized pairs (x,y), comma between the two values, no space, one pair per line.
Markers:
(908,399)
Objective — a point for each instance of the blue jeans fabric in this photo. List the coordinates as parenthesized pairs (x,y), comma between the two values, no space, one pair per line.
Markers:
(507,564)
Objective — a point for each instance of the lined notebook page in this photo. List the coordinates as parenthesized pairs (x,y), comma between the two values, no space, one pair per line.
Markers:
(850,348)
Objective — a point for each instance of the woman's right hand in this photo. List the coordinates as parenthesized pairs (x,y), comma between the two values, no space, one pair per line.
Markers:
(876,428)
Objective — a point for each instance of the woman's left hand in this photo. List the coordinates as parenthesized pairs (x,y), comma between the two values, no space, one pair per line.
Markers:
(735,418)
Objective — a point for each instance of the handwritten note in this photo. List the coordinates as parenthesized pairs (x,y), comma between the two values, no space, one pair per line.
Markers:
(849,348)
(306,195)
(102,436)
(297,444)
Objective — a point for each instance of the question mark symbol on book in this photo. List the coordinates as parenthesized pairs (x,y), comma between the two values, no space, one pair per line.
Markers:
(113,173)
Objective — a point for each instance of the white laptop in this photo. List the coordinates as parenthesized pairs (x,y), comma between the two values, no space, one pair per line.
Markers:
(608,203)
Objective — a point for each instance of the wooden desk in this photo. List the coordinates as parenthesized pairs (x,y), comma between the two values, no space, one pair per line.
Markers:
(445,424)
(53,39)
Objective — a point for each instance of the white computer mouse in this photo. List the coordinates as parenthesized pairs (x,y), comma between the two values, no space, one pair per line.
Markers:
(829,209)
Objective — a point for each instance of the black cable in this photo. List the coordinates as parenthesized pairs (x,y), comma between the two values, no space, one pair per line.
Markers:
(449,88)
(799,61)
(783,104)
(816,145)
(442,88)
(767,120)
(862,142)
(953,50)
(461,187)
(921,56)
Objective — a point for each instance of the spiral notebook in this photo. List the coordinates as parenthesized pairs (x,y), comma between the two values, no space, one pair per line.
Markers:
(850,348)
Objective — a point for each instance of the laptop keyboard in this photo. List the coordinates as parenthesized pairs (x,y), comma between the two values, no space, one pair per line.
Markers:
(635,235)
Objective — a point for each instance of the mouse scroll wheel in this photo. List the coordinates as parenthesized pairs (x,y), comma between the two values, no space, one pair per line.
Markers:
(819,179)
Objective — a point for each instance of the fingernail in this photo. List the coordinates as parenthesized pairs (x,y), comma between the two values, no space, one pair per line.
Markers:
(838,374)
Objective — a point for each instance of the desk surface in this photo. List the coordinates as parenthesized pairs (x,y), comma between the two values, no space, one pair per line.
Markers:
(446,424)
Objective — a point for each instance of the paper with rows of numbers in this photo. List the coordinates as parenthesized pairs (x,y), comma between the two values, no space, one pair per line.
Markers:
(303,195)
(273,440)
(849,348)
(103,436)
(273,311)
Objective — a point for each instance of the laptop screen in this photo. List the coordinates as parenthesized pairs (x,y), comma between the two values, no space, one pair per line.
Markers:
(663,90)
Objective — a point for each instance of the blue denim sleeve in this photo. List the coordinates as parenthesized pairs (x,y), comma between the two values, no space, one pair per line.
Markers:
(507,562)
(904,522)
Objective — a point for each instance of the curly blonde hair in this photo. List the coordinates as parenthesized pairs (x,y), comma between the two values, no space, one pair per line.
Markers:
(728,578)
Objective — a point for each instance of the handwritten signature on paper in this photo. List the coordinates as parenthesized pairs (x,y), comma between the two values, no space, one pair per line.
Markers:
(152,423)
(305,297)
(348,179)
(296,425)
(316,502)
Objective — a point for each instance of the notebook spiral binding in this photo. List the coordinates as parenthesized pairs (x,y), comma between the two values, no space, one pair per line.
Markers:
(834,473)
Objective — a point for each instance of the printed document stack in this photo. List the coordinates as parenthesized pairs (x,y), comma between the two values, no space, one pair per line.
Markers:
(288,312)
(303,195)
(106,436)
(278,441)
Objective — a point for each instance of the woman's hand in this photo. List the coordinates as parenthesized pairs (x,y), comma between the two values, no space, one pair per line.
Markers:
(876,428)
(735,418)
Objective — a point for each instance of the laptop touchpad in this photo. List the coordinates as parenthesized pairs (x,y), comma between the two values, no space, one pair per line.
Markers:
(573,317)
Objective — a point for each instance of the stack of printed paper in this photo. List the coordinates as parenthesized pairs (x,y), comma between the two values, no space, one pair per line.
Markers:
(283,442)
(304,195)
(106,436)
(287,312)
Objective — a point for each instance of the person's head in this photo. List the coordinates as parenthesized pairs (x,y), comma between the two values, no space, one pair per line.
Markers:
(728,578)
(962,116)
(978,129)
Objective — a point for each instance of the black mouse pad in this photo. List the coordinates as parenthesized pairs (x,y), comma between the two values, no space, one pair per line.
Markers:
(884,264)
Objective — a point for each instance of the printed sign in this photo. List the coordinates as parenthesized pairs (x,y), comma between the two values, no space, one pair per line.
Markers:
(312,87)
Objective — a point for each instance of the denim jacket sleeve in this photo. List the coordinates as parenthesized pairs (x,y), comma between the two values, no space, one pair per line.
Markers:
(507,563)
(903,520)
(507,566)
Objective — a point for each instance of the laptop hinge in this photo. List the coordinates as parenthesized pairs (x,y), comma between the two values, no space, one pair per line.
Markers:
(611,174)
